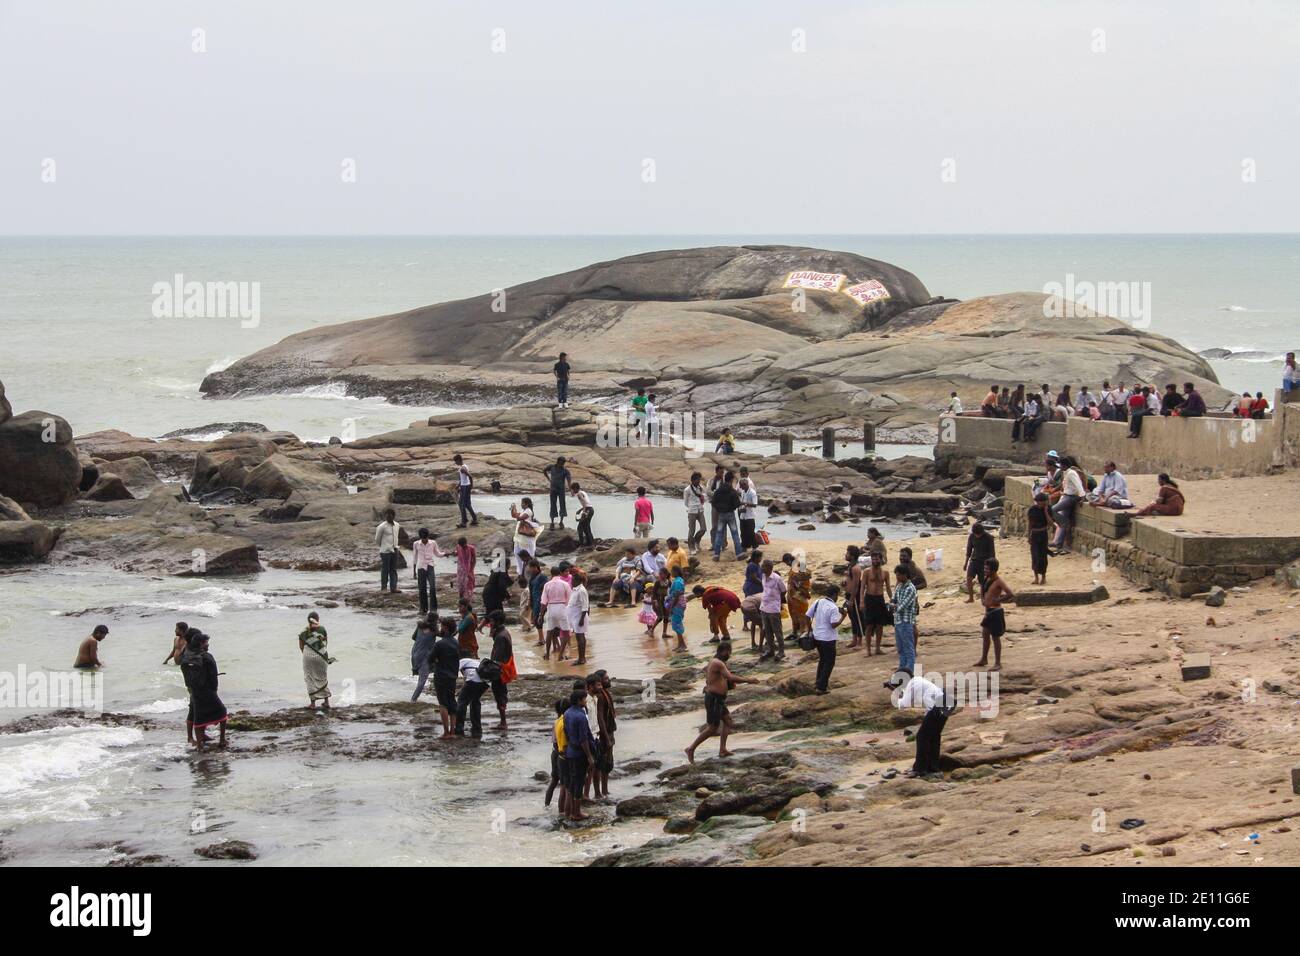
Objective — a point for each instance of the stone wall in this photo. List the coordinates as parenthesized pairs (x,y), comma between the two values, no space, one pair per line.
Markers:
(1179,563)
(1217,447)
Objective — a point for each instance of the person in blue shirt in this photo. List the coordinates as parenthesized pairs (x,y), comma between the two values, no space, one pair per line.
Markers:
(579,751)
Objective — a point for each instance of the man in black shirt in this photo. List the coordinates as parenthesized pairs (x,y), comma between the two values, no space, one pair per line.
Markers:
(502,652)
(562,381)
(726,501)
(446,667)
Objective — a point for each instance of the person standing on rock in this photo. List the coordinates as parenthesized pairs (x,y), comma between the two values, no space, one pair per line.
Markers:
(904,609)
(470,701)
(561,370)
(726,502)
(638,414)
(464,491)
(579,752)
(824,618)
(773,632)
(800,591)
(423,550)
(643,515)
(579,612)
(652,420)
(606,725)
(446,665)
(466,558)
(88,652)
(695,498)
(526,529)
(748,514)
(994,623)
(980,546)
(676,606)
(387,535)
(559,479)
(312,645)
(503,652)
(874,610)
(206,709)
(1038,520)
(852,588)
(555,610)
(586,511)
(718,681)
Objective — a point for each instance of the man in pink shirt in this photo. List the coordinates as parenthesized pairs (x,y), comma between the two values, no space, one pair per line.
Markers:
(555,611)
(769,607)
(643,515)
(423,551)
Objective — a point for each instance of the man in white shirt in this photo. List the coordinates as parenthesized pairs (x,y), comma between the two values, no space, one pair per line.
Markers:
(579,608)
(464,489)
(423,550)
(954,404)
(1072,492)
(748,513)
(1153,402)
(387,535)
(470,699)
(652,419)
(1113,486)
(652,561)
(695,498)
(1082,400)
(921,693)
(825,616)
(743,474)
(585,513)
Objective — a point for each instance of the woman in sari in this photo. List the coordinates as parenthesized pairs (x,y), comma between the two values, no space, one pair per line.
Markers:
(466,555)
(312,644)
(200,672)
(799,592)
(467,630)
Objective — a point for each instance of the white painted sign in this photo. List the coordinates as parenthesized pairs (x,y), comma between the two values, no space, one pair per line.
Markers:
(865,293)
(807,279)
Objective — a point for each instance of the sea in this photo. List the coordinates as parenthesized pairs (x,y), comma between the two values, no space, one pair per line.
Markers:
(80,336)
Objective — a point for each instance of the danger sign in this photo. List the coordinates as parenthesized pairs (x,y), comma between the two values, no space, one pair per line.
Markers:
(867,292)
(807,279)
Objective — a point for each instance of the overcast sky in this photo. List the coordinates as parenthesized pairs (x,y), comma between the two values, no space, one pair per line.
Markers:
(665,117)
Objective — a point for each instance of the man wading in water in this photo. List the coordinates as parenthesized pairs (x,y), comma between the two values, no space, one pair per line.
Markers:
(718,680)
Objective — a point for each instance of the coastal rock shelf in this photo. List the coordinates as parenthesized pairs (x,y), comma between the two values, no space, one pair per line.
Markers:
(764,338)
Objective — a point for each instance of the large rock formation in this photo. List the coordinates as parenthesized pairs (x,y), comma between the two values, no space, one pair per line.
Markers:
(718,331)
(38,460)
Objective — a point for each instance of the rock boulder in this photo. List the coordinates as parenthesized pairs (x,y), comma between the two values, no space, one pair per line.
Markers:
(38,460)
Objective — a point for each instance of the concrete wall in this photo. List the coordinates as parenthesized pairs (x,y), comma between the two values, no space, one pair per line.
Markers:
(1185,447)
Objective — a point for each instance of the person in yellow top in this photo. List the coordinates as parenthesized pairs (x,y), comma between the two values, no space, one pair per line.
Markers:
(677,556)
(799,583)
(560,740)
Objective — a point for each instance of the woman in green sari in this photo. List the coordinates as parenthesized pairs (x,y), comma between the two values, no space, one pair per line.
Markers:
(312,642)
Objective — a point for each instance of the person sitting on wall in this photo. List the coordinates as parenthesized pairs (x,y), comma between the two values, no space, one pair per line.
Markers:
(1112,492)
(1169,499)
(1193,404)
(1259,407)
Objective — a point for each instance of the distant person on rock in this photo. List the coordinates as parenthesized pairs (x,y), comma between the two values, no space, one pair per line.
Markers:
(718,682)
(726,443)
(1039,521)
(464,491)
(643,514)
(586,511)
(387,535)
(994,623)
(313,644)
(638,414)
(559,478)
(561,370)
(954,404)
(88,652)
(652,419)
(696,499)
(423,550)
(526,528)
(1290,374)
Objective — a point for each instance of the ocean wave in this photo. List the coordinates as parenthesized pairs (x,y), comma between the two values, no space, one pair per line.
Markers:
(169,706)
(61,753)
(174,385)
(211,601)
(1233,308)
(221,364)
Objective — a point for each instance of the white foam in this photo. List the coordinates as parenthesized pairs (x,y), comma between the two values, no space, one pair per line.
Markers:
(61,754)
(169,706)
(211,601)
(221,365)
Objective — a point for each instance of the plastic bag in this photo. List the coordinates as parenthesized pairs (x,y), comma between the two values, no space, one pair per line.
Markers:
(934,559)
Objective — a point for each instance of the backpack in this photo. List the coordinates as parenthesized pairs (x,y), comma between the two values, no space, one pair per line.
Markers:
(489,669)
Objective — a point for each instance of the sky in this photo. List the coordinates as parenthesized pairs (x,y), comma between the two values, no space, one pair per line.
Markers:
(726,117)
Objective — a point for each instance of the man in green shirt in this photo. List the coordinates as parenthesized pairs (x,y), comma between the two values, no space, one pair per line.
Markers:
(638,411)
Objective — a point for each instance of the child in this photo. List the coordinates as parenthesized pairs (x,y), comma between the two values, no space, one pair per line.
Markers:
(659,592)
(647,616)
(557,756)
(676,604)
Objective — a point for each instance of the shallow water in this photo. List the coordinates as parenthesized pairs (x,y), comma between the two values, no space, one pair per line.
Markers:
(67,793)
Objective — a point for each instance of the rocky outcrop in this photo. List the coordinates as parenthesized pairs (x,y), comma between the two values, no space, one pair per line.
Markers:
(23,541)
(6,410)
(280,476)
(227,463)
(38,460)
(716,331)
